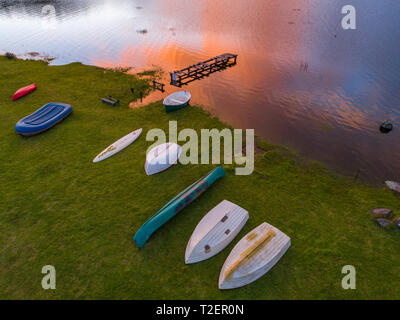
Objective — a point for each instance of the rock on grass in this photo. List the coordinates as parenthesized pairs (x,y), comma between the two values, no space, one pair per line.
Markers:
(384,223)
(382,213)
(397,222)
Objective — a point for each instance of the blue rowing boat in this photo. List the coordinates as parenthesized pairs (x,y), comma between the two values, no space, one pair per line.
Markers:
(175,205)
(43,119)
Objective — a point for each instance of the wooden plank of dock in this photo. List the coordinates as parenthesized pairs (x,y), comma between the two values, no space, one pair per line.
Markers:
(158,85)
(202,69)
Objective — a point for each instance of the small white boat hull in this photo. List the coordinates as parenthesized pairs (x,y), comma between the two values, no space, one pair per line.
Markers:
(215,231)
(118,146)
(162,157)
(252,257)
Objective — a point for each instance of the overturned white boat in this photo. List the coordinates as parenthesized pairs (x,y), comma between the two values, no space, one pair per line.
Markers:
(253,256)
(162,157)
(215,231)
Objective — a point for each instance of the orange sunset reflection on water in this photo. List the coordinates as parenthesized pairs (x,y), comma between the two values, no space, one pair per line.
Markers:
(301,80)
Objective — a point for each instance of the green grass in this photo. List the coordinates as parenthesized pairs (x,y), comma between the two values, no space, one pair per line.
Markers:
(59,208)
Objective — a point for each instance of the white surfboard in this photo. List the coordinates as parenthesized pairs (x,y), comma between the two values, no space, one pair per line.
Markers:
(215,231)
(118,146)
(253,256)
(162,157)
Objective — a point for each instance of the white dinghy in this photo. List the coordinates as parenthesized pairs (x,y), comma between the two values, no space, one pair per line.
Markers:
(177,100)
(253,256)
(118,146)
(215,231)
(162,157)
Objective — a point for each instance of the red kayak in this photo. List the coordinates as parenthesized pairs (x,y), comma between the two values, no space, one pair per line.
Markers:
(23,91)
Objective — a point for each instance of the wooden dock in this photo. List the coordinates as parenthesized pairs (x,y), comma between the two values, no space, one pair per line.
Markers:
(202,69)
(158,85)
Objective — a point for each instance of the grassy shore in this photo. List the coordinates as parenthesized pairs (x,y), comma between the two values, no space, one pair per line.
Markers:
(59,208)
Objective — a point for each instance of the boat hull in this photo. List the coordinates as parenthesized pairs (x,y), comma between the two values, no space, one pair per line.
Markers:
(177,100)
(174,108)
(162,157)
(23,91)
(215,231)
(175,205)
(43,119)
(252,257)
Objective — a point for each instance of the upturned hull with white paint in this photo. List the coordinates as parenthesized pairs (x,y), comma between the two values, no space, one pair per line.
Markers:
(162,157)
(215,231)
(253,256)
(118,145)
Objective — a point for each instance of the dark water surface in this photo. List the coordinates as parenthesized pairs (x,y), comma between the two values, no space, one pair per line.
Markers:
(301,80)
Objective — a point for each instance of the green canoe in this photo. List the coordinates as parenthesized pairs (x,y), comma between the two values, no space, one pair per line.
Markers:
(175,205)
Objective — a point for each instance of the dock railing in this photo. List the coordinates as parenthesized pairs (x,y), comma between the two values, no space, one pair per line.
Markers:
(202,69)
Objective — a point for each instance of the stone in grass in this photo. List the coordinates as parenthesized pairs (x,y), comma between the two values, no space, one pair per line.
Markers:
(393,185)
(382,213)
(397,222)
(384,223)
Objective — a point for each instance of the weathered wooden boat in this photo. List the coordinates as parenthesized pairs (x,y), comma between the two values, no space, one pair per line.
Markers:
(253,256)
(162,157)
(393,185)
(215,231)
(177,100)
(175,205)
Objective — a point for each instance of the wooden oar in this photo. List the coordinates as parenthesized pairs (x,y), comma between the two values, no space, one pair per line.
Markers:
(250,252)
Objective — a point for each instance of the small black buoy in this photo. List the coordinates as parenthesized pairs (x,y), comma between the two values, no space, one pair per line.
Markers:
(386,127)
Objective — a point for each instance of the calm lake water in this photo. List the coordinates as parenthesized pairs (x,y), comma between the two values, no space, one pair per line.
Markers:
(301,80)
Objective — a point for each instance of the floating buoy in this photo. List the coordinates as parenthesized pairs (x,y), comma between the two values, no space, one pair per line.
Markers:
(386,126)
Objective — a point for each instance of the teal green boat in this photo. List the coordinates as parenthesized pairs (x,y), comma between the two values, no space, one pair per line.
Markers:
(177,100)
(175,205)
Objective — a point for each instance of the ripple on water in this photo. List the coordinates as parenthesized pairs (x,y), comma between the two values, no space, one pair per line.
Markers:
(300,80)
